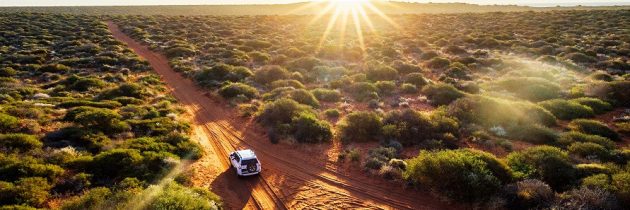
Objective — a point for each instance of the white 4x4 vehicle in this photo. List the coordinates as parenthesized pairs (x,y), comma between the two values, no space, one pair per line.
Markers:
(245,162)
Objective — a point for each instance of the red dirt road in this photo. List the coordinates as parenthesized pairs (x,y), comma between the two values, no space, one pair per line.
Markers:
(293,177)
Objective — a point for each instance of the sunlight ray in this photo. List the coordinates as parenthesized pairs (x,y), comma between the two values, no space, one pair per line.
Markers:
(331,24)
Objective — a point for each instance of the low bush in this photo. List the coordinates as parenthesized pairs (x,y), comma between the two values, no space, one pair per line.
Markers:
(326,95)
(567,138)
(601,76)
(8,123)
(332,113)
(442,93)
(360,127)
(287,83)
(492,112)
(438,63)
(593,127)
(97,119)
(20,142)
(7,72)
(407,88)
(363,91)
(587,198)
(175,196)
(615,92)
(268,74)
(416,79)
(567,110)
(546,163)
(598,106)
(54,68)
(117,163)
(218,74)
(463,175)
(33,191)
(530,88)
(304,97)
(408,127)
(529,194)
(533,133)
(128,89)
(589,150)
(232,90)
(385,87)
(381,73)
(309,129)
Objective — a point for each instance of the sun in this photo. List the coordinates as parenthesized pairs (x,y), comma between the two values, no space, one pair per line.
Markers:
(348,4)
(344,13)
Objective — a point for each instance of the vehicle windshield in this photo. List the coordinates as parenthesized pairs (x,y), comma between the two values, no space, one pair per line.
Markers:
(250,161)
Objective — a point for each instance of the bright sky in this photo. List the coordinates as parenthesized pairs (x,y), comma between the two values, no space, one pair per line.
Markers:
(197,2)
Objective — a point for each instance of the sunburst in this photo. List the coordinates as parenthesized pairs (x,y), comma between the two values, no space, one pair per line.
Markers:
(345,13)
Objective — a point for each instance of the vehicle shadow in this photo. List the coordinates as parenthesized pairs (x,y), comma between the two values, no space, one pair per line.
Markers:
(227,183)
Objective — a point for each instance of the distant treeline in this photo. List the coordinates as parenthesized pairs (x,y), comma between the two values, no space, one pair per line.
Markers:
(283,9)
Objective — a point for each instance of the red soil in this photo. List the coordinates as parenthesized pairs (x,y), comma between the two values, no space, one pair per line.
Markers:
(295,176)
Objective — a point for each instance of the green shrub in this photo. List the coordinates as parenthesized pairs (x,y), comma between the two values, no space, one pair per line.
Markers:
(567,110)
(615,92)
(530,88)
(309,129)
(363,91)
(268,74)
(20,142)
(77,83)
(54,68)
(587,198)
(287,83)
(568,138)
(7,72)
(8,123)
(97,119)
(593,127)
(529,194)
(100,104)
(281,111)
(408,88)
(180,51)
(95,198)
(464,174)
(492,112)
(127,89)
(175,196)
(33,191)
(216,75)
(381,73)
(546,163)
(408,127)
(442,93)
(590,169)
(438,63)
(304,97)
(580,58)
(326,95)
(533,133)
(360,126)
(232,90)
(332,113)
(602,76)
(416,79)
(589,150)
(117,163)
(385,87)
(598,106)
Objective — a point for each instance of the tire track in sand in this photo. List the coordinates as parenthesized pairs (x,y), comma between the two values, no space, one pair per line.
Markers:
(215,124)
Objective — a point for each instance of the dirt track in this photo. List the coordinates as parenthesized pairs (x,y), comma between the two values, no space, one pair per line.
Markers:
(294,177)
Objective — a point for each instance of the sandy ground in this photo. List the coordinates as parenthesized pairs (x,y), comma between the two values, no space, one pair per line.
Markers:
(294,176)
